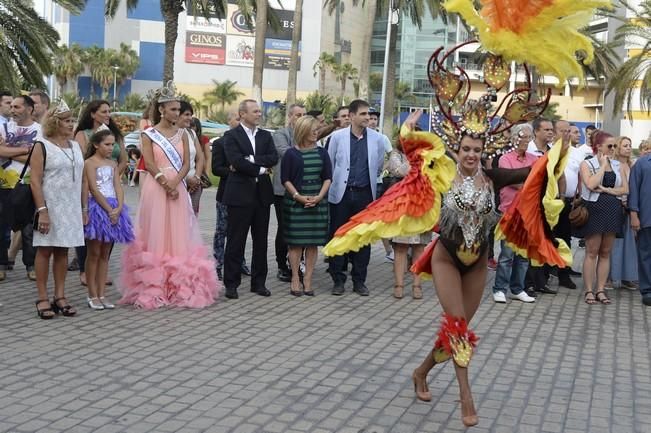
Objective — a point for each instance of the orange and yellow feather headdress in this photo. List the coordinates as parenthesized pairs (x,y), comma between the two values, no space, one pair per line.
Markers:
(541,33)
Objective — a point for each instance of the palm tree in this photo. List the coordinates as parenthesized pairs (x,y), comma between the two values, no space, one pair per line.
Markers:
(94,58)
(415,10)
(134,102)
(325,62)
(293,57)
(322,102)
(25,54)
(635,72)
(128,62)
(258,54)
(67,65)
(223,93)
(345,72)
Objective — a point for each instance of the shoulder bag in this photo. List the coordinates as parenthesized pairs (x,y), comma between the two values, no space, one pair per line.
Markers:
(22,200)
(579,214)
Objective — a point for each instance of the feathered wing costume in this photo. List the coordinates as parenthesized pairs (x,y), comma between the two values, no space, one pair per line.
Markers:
(542,33)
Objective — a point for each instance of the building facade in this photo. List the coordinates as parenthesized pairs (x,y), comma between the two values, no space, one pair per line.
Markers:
(213,49)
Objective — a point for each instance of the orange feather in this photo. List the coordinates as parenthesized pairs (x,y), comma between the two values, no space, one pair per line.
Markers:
(511,14)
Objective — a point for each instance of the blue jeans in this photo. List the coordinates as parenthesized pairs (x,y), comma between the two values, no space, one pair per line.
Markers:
(644,261)
(511,271)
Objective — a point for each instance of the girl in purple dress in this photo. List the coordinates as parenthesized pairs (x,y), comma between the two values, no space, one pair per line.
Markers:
(106,217)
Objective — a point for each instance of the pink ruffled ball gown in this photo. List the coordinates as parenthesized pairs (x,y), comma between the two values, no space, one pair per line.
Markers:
(168,264)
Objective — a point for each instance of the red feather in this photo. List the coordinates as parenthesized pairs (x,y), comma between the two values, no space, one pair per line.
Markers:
(454,328)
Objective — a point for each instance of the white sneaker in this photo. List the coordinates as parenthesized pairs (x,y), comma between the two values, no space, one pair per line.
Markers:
(522,296)
(499,297)
(389,257)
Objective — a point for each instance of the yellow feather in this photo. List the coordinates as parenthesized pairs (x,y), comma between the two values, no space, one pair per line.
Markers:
(548,40)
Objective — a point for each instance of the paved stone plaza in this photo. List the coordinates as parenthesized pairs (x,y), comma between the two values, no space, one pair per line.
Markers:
(322,364)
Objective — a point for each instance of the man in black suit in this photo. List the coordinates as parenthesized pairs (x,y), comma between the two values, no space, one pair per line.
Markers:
(221,168)
(248,195)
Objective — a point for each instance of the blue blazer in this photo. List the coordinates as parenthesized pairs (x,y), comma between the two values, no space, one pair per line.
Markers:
(339,151)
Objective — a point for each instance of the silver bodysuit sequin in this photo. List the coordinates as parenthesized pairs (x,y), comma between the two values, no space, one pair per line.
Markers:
(104,180)
(468,213)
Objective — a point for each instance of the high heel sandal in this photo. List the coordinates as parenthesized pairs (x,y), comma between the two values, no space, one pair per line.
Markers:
(398,291)
(44,313)
(468,420)
(417,292)
(421,395)
(67,309)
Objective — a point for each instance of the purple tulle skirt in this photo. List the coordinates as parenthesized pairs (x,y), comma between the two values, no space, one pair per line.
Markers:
(99,225)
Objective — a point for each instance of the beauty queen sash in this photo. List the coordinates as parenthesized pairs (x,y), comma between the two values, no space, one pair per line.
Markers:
(168,148)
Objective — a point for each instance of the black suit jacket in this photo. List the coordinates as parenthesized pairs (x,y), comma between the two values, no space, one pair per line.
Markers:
(245,186)
(220,165)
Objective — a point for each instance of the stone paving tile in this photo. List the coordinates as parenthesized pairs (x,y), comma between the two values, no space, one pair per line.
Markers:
(326,364)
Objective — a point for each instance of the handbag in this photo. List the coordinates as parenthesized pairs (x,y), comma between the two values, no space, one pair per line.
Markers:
(579,214)
(22,201)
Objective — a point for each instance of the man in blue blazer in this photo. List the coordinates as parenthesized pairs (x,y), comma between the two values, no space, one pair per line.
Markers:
(357,155)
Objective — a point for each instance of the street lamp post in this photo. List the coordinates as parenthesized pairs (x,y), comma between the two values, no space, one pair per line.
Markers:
(115,82)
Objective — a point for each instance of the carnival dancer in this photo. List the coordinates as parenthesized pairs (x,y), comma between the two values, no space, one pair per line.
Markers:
(107,216)
(509,31)
(167,265)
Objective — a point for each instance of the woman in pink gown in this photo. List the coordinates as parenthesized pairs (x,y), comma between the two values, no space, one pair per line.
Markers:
(167,265)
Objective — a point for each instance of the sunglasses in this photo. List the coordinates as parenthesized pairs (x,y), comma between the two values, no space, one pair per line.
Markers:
(611,146)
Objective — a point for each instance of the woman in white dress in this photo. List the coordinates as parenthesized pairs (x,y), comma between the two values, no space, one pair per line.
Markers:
(56,188)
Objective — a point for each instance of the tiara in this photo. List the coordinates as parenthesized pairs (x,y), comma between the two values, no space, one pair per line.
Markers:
(61,108)
(455,115)
(167,93)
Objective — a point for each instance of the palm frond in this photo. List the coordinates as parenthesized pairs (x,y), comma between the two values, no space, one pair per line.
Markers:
(24,54)
(624,84)
(72,6)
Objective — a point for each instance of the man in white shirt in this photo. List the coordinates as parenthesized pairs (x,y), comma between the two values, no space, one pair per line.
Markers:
(249,195)
(41,104)
(568,189)
(16,139)
(586,147)
(543,136)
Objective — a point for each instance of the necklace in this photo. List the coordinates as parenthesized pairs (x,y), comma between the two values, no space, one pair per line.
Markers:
(468,192)
(473,204)
(70,158)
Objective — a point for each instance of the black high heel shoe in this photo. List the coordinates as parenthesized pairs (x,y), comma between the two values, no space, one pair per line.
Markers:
(67,309)
(44,313)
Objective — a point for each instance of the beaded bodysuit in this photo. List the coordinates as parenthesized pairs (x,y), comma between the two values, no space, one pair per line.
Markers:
(467,217)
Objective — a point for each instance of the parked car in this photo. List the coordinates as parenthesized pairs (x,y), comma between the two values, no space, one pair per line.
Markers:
(132,139)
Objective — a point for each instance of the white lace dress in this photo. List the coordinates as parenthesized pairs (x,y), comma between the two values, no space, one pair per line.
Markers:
(62,180)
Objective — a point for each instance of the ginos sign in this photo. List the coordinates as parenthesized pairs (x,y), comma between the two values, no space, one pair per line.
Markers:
(212,40)
(239,23)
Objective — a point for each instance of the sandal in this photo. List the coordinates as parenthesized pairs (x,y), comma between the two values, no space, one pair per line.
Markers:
(67,309)
(417,292)
(398,291)
(44,313)
(603,299)
(590,301)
